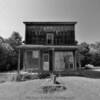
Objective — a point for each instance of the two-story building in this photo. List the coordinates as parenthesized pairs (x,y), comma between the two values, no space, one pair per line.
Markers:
(49,47)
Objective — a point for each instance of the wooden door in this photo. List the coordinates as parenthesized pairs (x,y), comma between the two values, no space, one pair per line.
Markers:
(46,62)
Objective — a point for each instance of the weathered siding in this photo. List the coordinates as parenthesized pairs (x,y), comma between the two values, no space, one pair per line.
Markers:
(63,34)
(46,46)
(50,28)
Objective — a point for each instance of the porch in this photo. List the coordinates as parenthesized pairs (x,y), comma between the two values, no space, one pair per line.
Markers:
(48,58)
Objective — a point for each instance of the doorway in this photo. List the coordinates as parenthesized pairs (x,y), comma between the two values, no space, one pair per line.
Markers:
(48,61)
(45,62)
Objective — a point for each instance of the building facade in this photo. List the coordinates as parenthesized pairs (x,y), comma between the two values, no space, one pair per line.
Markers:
(49,47)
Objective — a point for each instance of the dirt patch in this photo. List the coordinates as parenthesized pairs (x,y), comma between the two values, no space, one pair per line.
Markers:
(53,88)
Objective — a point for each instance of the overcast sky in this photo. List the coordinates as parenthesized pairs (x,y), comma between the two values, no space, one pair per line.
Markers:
(85,12)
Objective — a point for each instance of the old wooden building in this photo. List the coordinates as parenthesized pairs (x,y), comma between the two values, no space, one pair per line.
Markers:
(49,47)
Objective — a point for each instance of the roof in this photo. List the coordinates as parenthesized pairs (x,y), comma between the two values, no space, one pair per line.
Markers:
(50,23)
(47,46)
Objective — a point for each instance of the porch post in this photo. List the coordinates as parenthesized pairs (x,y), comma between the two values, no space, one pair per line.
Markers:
(75,66)
(24,60)
(18,70)
(53,65)
(79,62)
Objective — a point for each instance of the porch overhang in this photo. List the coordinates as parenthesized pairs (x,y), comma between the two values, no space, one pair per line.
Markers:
(68,47)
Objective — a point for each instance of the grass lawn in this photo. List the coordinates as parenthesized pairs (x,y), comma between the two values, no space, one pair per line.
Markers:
(78,88)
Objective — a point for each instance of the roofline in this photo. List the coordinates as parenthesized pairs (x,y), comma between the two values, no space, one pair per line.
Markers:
(50,23)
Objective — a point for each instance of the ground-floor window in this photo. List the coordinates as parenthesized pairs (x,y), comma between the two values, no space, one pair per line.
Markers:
(31,60)
(63,60)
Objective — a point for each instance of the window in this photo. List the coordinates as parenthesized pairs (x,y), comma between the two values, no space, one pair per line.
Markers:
(46,57)
(35,54)
(50,38)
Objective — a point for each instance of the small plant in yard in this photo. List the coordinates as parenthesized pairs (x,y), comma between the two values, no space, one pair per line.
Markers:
(19,78)
(25,77)
(43,75)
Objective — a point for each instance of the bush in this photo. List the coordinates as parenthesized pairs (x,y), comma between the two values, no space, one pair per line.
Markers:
(43,75)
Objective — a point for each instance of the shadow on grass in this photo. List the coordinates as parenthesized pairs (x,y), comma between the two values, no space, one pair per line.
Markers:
(82,73)
(85,73)
(79,73)
(89,74)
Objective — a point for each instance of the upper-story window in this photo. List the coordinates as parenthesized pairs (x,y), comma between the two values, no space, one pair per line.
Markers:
(50,38)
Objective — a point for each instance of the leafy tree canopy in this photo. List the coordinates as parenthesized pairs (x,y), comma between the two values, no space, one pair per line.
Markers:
(9,52)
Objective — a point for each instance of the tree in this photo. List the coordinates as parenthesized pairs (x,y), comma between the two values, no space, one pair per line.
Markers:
(9,52)
(89,53)
(83,51)
(14,40)
(5,51)
(95,53)
(83,48)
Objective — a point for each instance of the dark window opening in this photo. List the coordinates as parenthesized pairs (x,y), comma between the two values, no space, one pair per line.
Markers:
(50,38)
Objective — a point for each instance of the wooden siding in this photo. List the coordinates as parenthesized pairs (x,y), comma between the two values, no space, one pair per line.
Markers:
(62,34)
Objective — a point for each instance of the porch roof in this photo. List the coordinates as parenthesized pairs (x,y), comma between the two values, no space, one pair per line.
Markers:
(50,23)
(72,47)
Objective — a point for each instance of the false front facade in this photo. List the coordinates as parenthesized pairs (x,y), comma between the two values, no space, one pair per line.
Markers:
(49,47)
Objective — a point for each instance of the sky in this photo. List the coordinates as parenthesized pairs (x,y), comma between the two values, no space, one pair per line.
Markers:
(86,12)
